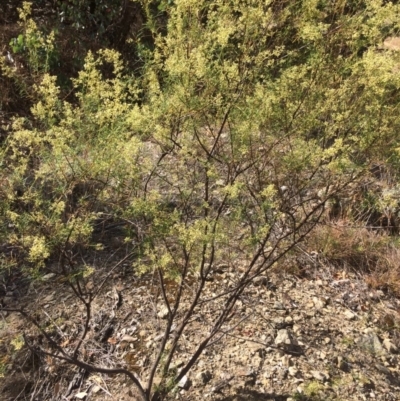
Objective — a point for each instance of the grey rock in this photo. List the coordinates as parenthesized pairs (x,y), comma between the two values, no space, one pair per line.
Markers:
(370,342)
(321,376)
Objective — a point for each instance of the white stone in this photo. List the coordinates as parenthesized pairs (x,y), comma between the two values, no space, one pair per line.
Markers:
(163,313)
(349,315)
(184,383)
(283,338)
(48,276)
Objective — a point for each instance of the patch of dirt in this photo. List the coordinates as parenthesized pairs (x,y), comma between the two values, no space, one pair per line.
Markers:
(325,336)
(392,43)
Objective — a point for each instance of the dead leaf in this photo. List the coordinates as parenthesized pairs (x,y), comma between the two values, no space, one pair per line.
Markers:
(81,395)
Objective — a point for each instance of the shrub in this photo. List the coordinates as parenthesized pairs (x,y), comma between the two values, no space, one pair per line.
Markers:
(247,120)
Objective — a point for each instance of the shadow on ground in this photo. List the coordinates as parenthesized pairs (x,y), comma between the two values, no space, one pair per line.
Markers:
(253,395)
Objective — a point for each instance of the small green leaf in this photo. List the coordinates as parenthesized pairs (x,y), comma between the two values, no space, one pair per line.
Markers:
(20,40)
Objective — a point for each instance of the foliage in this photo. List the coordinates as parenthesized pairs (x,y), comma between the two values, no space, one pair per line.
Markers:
(97,17)
(17,342)
(248,118)
(39,47)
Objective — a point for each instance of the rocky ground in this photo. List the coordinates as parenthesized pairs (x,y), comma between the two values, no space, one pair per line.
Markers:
(322,336)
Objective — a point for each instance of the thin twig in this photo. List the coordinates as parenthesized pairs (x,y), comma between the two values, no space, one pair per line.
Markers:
(73,359)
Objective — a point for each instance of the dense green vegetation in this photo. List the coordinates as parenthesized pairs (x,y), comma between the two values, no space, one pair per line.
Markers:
(208,132)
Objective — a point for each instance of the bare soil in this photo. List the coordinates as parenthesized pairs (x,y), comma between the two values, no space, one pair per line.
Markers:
(322,336)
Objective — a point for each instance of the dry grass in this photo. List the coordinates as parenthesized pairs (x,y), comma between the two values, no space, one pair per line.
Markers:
(374,253)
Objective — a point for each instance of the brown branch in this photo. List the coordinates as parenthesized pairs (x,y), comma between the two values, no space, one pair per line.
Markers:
(88,306)
(72,359)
